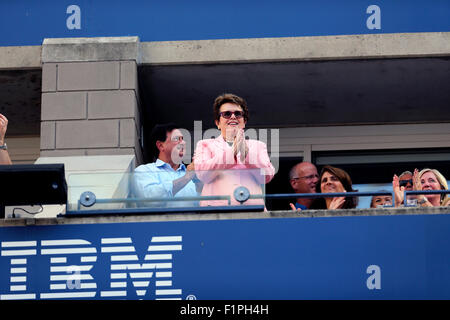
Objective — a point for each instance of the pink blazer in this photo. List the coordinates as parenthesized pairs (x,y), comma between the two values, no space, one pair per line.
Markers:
(222,173)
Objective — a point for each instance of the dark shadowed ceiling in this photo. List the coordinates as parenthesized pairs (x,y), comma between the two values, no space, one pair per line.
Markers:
(303,93)
(20,100)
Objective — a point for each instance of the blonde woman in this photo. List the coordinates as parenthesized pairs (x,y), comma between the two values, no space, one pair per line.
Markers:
(430,179)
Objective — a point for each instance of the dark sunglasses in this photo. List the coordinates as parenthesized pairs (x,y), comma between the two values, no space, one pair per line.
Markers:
(228,114)
(403,183)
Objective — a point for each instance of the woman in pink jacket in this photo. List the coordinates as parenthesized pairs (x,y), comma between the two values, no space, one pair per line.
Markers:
(230,161)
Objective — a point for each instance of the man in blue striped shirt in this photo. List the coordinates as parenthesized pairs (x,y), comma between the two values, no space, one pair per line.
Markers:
(167,177)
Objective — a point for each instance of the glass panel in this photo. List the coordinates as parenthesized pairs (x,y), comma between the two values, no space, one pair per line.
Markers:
(88,191)
(165,189)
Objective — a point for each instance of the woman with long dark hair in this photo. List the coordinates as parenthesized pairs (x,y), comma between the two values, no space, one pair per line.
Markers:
(334,180)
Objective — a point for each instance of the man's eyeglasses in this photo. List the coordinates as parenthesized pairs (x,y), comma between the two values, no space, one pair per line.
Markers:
(228,114)
(176,138)
(310,177)
(403,183)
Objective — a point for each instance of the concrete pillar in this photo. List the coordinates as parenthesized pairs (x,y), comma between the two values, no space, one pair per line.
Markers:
(90,99)
(90,113)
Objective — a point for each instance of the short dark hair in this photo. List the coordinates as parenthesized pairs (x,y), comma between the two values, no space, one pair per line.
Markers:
(229,98)
(159,133)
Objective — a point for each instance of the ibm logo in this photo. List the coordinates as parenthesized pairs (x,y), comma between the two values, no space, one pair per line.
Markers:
(75,280)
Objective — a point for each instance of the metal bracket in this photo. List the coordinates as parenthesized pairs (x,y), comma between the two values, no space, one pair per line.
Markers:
(87,199)
(241,194)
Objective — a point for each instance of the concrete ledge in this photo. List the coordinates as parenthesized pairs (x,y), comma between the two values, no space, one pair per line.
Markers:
(398,45)
(226,216)
(27,57)
(90,49)
(395,45)
(83,164)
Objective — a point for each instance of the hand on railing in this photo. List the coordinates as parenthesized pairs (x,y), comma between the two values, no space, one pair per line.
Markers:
(336,203)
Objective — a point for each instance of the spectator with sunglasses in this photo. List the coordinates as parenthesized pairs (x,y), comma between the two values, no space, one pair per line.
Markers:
(229,160)
(401,183)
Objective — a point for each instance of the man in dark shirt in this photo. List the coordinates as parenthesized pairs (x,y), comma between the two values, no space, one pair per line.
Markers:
(303,178)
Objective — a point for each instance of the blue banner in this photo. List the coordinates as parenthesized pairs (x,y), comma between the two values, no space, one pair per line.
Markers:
(359,257)
(28,22)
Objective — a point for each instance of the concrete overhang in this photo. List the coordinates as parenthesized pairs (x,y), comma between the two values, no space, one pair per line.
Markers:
(368,46)
(20,58)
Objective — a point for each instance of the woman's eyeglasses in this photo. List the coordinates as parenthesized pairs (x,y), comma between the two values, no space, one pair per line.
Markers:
(228,114)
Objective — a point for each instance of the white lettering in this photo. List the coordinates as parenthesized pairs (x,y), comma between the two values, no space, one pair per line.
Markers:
(140,273)
(18,251)
(124,266)
(77,276)
(73,281)
(194,310)
(260,135)
(374,21)
(74,20)
(374,281)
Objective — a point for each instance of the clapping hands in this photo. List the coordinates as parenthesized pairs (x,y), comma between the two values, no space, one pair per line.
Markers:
(240,145)
(417,185)
(398,191)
